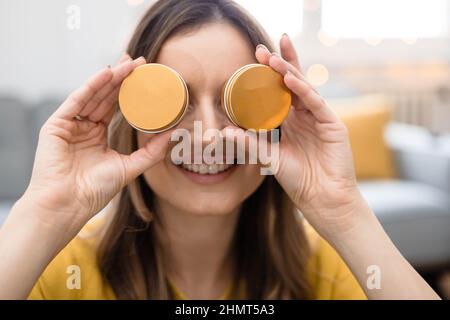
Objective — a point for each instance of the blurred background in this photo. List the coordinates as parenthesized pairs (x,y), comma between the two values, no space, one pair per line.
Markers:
(383,65)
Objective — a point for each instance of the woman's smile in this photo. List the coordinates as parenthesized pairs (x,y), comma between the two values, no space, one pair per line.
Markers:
(207,173)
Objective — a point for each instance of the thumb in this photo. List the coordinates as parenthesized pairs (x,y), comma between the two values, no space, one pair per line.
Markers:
(147,156)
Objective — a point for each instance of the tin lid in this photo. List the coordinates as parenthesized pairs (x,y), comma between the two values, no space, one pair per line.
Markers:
(256,97)
(153,98)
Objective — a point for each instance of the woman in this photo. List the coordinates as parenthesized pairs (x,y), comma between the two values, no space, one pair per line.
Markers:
(173,234)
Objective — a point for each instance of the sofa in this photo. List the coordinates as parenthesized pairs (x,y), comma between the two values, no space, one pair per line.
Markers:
(413,206)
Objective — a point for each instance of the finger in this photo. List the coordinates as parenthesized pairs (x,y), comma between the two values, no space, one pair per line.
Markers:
(288,52)
(262,54)
(282,66)
(311,99)
(118,71)
(108,102)
(124,58)
(109,116)
(96,97)
(147,156)
(76,101)
(103,112)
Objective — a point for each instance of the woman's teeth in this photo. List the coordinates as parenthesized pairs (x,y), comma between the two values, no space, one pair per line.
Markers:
(206,168)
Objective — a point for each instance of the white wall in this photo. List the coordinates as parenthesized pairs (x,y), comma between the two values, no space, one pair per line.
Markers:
(41,56)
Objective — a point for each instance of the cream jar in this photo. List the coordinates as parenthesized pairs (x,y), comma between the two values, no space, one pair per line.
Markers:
(153,98)
(255,97)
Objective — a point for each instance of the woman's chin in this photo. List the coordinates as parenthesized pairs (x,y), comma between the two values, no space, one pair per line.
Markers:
(203,206)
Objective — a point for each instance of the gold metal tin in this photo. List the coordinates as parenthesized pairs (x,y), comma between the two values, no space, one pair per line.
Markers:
(255,97)
(153,98)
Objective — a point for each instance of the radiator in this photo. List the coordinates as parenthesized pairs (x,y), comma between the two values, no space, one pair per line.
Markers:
(427,108)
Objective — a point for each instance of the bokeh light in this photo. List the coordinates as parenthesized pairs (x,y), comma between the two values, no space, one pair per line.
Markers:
(326,39)
(317,75)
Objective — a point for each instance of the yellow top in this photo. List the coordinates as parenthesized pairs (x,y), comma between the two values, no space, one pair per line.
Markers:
(328,274)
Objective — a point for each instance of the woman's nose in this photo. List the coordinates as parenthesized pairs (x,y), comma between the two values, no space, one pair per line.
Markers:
(211,114)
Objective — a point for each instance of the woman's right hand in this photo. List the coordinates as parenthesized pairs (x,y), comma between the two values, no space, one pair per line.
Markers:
(75,173)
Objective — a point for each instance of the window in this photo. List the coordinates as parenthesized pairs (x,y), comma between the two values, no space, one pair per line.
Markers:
(385,18)
(276,17)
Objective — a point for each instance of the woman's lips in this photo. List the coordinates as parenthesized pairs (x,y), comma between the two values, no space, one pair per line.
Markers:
(207,174)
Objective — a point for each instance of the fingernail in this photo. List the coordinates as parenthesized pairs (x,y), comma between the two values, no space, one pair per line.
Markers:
(275,54)
(261,46)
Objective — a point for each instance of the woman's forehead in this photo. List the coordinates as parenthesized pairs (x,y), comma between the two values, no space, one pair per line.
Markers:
(212,52)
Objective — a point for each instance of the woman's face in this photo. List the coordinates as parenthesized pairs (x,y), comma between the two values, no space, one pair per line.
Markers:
(205,58)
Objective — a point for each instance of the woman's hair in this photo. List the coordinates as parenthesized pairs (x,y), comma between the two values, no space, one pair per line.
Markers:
(270,247)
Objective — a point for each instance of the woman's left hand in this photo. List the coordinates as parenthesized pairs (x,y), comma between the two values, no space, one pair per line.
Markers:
(315,168)
(315,164)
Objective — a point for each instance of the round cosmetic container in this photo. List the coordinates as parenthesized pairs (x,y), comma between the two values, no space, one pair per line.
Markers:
(153,98)
(255,97)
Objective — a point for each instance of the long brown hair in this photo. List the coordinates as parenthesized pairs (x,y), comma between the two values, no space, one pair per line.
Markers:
(270,246)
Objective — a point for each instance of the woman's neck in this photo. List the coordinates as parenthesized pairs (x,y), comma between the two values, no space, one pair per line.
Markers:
(198,250)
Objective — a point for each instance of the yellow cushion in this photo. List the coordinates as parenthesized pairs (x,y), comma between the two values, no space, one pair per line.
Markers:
(366,118)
